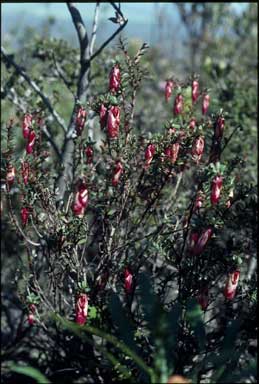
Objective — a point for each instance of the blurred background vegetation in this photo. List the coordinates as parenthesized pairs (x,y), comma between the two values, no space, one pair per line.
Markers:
(217,41)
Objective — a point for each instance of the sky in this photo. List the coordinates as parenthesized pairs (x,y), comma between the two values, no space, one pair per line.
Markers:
(141,12)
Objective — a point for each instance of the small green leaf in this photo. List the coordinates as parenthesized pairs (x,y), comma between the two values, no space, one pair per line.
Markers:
(31,372)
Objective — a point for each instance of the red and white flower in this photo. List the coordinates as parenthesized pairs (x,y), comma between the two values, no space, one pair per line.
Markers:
(81,308)
(26,125)
(205,104)
(169,86)
(149,153)
(81,200)
(25,172)
(198,243)
(117,173)
(80,120)
(178,105)
(128,280)
(216,187)
(25,212)
(115,79)
(113,122)
(231,285)
(172,152)
(198,148)
(89,152)
(31,142)
(195,91)
(31,314)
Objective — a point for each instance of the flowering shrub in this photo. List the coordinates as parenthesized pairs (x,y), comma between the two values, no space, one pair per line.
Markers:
(141,244)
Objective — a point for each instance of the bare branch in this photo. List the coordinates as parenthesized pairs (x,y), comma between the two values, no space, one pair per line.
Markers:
(81,30)
(35,87)
(61,74)
(100,49)
(94,29)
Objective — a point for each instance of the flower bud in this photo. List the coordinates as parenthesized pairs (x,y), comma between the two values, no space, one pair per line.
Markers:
(169,86)
(81,308)
(149,153)
(178,379)
(198,201)
(26,125)
(231,285)
(80,120)
(216,189)
(128,279)
(172,152)
(202,241)
(89,152)
(197,149)
(10,175)
(30,142)
(205,104)
(81,200)
(113,122)
(116,173)
(178,104)
(192,123)
(195,91)
(219,128)
(25,216)
(115,79)
(203,298)
(103,116)
(25,172)
(31,314)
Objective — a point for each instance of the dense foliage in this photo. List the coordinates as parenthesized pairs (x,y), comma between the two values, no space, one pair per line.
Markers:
(143,270)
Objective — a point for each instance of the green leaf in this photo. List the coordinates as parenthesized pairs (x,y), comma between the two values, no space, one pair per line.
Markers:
(120,319)
(194,317)
(31,372)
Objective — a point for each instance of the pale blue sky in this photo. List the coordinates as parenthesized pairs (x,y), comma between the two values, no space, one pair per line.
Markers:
(141,12)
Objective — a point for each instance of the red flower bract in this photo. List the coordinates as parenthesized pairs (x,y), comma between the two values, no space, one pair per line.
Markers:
(219,128)
(197,149)
(216,189)
(195,91)
(168,89)
(89,152)
(30,142)
(25,215)
(25,172)
(199,243)
(80,120)
(113,122)
(26,125)
(231,285)
(116,173)
(81,308)
(172,152)
(192,123)
(149,153)
(115,79)
(81,200)
(178,105)
(128,279)
(205,104)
